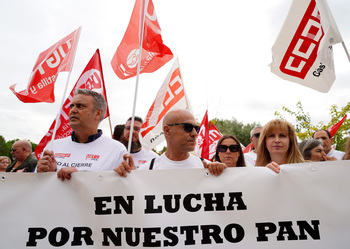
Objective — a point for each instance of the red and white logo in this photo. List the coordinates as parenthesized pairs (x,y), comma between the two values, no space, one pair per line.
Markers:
(302,51)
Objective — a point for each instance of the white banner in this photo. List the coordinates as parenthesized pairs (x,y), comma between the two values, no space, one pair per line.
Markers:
(305,206)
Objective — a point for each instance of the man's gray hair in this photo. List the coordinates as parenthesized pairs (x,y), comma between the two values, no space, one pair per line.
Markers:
(252,131)
(99,100)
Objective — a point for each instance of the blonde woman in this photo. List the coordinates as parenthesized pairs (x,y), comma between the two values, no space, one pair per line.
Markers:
(278,145)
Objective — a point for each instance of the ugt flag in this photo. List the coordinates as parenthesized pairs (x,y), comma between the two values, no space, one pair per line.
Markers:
(91,78)
(202,144)
(303,51)
(171,95)
(214,137)
(58,58)
(154,53)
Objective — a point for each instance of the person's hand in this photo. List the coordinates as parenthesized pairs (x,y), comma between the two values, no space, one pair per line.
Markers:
(47,163)
(274,166)
(215,168)
(65,173)
(331,158)
(126,166)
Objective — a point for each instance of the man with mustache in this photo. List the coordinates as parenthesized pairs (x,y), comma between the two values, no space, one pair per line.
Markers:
(86,149)
(180,131)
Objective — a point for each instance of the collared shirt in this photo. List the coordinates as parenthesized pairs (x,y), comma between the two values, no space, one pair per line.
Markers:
(90,139)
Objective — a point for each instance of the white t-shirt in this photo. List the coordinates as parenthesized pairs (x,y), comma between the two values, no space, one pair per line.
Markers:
(102,154)
(250,158)
(336,153)
(143,156)
(163,162)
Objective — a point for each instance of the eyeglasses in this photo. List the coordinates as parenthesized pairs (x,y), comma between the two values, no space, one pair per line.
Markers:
(137,129)
(188,127)
(257,135)
(13,150)
(232,148)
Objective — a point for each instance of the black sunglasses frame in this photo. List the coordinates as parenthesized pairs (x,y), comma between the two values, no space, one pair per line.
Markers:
(257,135)
(232,148)
(188,127)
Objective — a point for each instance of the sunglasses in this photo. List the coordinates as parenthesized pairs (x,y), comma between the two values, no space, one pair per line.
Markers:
(257,135)
(232,148)
(13,150)
(188,127)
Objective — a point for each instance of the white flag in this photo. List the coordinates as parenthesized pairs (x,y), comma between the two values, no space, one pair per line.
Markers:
(302,52)
(170,96)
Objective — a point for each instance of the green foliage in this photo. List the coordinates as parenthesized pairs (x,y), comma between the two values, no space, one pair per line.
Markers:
(4,149)
(233,127)
(304,128)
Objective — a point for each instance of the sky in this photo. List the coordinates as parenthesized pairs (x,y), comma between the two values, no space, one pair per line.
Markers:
(223,46)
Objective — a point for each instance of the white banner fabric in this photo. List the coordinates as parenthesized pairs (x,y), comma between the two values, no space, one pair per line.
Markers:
(305,206)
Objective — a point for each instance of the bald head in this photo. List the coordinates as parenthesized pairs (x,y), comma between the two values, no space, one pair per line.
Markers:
(24,144)
(21,149)
(177,116)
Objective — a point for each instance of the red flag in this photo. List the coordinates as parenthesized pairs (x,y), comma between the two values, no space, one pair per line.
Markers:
(154,53)
(91,78)
(214,136)
(248,148)
(171,95)
(334,128)
(58,58)
(202,144)
(303,50)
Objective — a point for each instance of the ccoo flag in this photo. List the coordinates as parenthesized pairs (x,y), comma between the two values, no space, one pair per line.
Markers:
(154,53)
(303,52)
(214,137)
(171,95)
(91,78)
(58,58)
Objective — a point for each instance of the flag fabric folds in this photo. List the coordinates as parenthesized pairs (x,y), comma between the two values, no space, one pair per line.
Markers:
(214,136)
(202,144)
(91,78)
(302,52)
(171,95)
(248,148)
(58,58)
(334,128)
(154,53)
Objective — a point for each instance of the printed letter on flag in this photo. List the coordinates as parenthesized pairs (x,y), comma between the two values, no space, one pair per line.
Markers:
(171,95)
(58,58)
(154,53)
(91,78)
(334,128)
(202,144)
(214,137)
(303,51)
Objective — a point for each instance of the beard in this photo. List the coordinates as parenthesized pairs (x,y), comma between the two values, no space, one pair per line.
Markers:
(135,146)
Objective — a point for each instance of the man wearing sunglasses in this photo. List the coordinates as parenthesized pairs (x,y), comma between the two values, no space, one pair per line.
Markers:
(24,160)
(139,155)
(180,131)
(250,157)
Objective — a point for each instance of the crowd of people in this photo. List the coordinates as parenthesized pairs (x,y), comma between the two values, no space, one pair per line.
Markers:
(87,149)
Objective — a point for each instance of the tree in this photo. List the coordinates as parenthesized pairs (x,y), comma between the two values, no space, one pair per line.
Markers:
(304,128)
(233,127)
(4,149)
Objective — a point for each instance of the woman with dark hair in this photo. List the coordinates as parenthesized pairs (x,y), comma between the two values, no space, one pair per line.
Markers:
(312,150)
(278,145)
(229,152)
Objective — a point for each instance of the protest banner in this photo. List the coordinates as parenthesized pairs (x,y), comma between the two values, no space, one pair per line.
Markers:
(305,206)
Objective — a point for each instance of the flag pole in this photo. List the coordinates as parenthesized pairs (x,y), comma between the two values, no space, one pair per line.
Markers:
(142,24)
(65,91)
(346,50)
